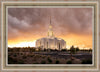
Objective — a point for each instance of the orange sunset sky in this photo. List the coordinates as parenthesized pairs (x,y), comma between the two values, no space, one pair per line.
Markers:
(26,25)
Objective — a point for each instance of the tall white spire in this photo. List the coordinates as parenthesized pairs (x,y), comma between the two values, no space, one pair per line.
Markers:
(50,31)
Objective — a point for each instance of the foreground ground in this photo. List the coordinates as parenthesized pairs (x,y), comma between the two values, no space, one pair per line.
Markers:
(49,58)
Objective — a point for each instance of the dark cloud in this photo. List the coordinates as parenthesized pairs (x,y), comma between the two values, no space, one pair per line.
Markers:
(35,21)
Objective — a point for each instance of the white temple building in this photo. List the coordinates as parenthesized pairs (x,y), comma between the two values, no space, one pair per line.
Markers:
(51,42)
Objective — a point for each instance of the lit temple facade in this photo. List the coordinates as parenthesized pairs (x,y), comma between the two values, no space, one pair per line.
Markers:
(51,42)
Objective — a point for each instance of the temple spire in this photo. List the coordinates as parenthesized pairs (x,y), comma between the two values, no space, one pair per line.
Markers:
(50,31)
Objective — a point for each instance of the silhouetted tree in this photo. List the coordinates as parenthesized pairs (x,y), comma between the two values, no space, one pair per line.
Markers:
(45,49)
(72,50)
(90,50)
(77,49)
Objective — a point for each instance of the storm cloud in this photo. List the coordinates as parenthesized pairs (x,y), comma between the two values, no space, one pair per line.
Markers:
(35,21)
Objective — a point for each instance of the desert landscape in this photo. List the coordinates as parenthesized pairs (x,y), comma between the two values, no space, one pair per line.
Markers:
(33,56)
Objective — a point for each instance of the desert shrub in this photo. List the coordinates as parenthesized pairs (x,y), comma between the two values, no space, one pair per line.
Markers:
(36,63)
(83,61)
(87,61)
(11,60)
(40,56)
(24,57)
(21,53)
(49,60)
(9,55)
(69,62)
(43,62)
(14,55)
(43,56)
(30,55)
(57,61)
(20,62)
(14,61)
(64,50)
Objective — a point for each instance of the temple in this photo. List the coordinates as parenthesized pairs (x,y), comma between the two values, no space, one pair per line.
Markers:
(51,42)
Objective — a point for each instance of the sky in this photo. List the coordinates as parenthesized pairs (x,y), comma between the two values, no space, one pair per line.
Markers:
(26,25)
